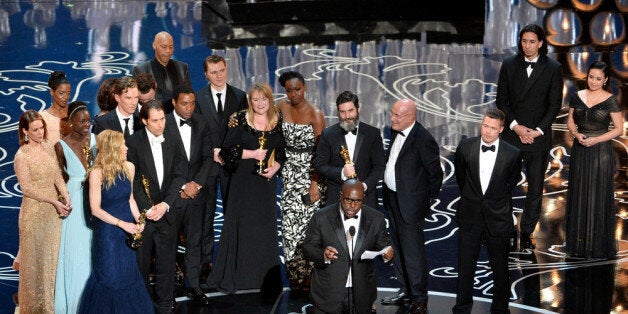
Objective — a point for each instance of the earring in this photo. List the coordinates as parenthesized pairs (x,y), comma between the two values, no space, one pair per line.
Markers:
(26,138)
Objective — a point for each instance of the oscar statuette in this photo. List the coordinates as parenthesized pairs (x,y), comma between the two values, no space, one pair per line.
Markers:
(260,164)
(134,241)
(344,153)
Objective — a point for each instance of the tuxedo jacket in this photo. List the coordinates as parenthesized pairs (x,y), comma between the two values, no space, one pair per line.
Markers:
(201,152)
(368,159)
(328,280)
(235,100)
(533,101)
(156,69)
(140,155)
(418,173)
(109,121)
(492,209)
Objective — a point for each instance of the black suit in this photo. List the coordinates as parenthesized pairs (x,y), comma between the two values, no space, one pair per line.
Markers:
(485,215)
(328,280)
(368,159)
(196,169)
(418,178)
(534,102)
(162,234)
(235,100)
(173,74)
(109,121)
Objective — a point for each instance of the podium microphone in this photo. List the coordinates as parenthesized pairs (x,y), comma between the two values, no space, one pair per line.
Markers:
(351,302)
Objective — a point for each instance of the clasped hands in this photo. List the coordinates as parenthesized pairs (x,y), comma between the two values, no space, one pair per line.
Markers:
(585,141)
(526,135)
(190,190)
(63,207)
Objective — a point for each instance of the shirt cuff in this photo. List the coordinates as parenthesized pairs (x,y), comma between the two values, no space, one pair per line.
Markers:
(342,175)
(167,206)
(365,187)
(540,131)
(513,124)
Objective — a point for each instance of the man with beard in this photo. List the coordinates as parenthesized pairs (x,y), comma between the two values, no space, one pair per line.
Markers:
(365,150)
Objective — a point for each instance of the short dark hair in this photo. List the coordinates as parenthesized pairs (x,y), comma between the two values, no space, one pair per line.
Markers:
(181,89)
(540,33)
(286,76)
(495,113)
(123,84)
(153,104)
(213,59)
(347,96)
(57,78)
(145,82)
(602,66)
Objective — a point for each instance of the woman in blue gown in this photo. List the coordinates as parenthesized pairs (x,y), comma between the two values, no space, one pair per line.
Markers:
(115,284)
(75,261)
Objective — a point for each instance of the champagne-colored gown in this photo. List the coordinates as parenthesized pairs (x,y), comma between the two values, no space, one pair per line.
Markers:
(38,173)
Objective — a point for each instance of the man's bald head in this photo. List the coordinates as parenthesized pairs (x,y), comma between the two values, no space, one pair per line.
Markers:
(164,47)
(403,114)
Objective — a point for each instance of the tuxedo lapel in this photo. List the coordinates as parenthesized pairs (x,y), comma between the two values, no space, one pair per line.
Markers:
(195,139)
(475,162)
(534,76)
(148,158)
(365,227)
(336,223)
(498,167)
(409,140)
(212,105)
(358,143)
(167,155)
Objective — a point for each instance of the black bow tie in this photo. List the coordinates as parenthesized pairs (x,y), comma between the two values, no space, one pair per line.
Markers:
(529,64)
(347,217)
(485,148)
(354,131)
(183,121)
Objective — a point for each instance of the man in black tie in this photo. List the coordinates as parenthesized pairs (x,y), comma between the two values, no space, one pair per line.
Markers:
(363,144)
(412,178)
(487,170)
(336,237)
(192,134)
(124,118)
(216,102)
(158,160)
(167,72)
(529,92)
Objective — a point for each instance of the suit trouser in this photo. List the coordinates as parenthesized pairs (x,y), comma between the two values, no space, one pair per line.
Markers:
(469,244)
(193,229)
(162,237)
(347,305)
(409,243)
(210,212)
(535,164)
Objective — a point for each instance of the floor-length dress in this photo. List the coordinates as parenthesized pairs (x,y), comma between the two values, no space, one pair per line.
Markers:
(248,251)
(115,284)
(75,258)
(295,214)
(39,227)
(590,221)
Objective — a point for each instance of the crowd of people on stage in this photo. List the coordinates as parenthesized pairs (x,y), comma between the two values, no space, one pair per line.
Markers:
(107,198)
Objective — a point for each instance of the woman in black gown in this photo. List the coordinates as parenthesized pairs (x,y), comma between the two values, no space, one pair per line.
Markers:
(248,252)
(115,284)
(590,222)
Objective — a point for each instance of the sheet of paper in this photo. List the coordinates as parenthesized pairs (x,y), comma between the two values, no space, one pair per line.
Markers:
(372,254)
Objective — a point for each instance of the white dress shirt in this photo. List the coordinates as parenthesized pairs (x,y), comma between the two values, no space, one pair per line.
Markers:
(155,147)
(529,72)
(121,118)
(223,96)
(389,173)
(347,224)
(185,131)
(487,163)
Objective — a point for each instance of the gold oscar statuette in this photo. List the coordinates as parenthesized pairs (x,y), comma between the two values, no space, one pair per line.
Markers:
(344,153)
(262,143)
(134,241)
(89,155)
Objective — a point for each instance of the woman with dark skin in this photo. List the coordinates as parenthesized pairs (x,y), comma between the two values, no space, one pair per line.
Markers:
(74,155)
(301,193)
(60,92)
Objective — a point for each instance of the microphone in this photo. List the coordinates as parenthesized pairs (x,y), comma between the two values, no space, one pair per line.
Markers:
(351,234)
(351,231)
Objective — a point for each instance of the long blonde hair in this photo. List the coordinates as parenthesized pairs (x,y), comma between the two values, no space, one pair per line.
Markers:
(109,144)
(272,115)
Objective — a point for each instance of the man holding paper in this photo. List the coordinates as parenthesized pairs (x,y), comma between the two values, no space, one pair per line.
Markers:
(343,282)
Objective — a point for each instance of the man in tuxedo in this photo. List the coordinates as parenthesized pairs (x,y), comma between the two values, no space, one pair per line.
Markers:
(192,135)
(363,144)
(158,160)
(167,72)
(412,179)
(529,92)
(146,86)
(216,102)
(487,170)
(335,239)
(124,118)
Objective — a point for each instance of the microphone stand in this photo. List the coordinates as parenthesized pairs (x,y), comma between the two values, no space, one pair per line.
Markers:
(351,256)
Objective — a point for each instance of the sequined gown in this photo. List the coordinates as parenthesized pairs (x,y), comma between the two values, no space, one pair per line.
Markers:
(590,221)
(295,214)
(248,251)
(75,258)
(39,225)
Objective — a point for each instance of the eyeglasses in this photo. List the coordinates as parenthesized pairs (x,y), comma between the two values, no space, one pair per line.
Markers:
(352,201)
